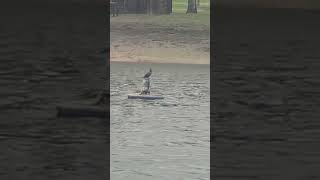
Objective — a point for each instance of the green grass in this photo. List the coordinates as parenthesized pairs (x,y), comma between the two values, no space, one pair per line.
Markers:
(180,6)
(177,18)
(180,19)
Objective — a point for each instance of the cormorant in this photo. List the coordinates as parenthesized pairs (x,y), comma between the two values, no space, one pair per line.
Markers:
(148,74)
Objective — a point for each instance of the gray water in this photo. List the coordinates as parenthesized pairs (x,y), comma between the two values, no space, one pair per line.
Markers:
(266,83)
(48,57)
(162,139)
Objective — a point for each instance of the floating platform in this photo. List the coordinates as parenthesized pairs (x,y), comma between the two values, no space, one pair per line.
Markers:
(144,96)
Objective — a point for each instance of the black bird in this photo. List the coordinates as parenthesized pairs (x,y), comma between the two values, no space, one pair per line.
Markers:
(148,74)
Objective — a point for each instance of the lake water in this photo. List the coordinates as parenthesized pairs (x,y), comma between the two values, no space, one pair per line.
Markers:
(162,139)
(266,94)
(49,57)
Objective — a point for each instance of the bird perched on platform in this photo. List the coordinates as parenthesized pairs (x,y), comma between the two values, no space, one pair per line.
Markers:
(148,74)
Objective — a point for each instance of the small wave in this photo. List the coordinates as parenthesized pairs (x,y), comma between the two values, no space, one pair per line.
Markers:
(168,104)
(115,93)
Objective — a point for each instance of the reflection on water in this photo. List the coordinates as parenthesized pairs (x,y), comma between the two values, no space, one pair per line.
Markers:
(162,139)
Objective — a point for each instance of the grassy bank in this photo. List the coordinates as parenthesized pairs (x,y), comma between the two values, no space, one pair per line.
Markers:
(177,18)
(174,38)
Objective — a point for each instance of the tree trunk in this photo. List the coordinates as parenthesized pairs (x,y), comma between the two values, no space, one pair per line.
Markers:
(150,6)
(192,6)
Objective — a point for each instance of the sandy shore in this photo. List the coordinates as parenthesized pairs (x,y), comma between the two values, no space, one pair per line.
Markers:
(135,39)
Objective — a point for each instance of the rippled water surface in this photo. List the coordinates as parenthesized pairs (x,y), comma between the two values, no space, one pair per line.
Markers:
(160,139)
(266,94)
(49,58)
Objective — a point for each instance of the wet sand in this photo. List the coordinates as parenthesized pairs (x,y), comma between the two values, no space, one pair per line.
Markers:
(51,56)
(145,39)
(265,120)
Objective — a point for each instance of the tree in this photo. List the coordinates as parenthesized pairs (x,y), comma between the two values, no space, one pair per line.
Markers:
(192,6)
(150,5)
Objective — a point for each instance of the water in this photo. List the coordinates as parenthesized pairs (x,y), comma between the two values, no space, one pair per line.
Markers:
(48,59)
(162,139)
(266,94)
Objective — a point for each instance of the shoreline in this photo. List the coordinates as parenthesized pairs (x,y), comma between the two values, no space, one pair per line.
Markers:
(159,41)
(203,62)
(148,62)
